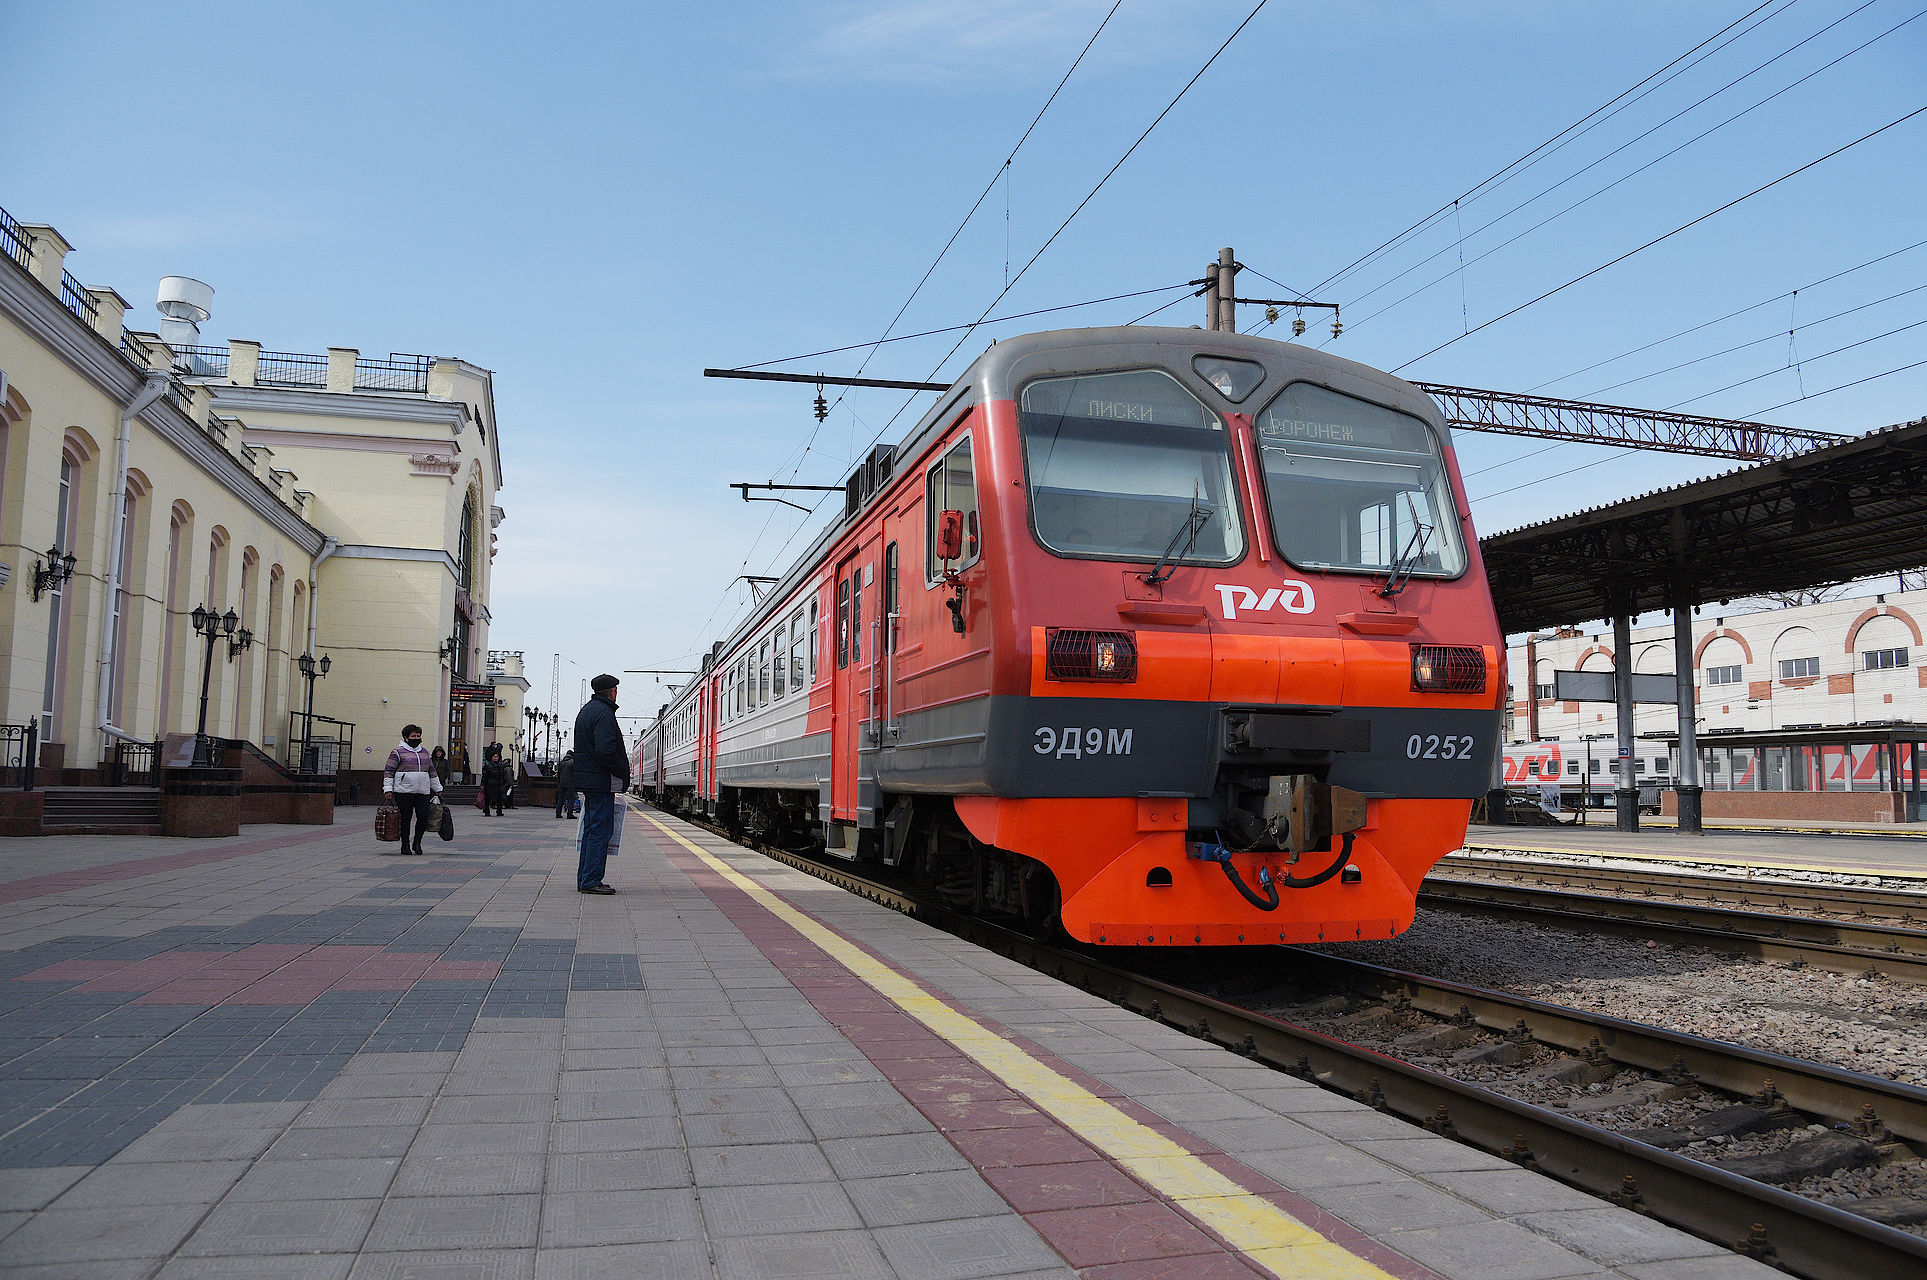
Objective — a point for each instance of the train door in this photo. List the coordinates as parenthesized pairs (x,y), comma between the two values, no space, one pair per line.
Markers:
(846,688)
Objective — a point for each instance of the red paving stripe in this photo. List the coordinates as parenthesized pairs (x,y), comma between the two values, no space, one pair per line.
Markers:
(134,868)
(1122,1240)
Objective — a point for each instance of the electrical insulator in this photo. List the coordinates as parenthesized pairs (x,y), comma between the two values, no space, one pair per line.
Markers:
(1271,315)
(1338,326)
(822,407)
(1298,326)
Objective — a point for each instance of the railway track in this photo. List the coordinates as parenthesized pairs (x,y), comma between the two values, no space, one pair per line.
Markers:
(1801,1235)
(1841,946)
(1903,906)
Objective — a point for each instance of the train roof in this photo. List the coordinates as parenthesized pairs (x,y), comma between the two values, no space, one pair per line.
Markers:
(1005,365)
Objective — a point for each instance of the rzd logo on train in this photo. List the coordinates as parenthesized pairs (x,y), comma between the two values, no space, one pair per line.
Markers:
(1292,596)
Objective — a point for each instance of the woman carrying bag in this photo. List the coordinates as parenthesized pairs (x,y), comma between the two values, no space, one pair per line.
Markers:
(409,781)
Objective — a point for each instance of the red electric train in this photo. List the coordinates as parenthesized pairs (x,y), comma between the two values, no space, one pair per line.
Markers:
(1161,636)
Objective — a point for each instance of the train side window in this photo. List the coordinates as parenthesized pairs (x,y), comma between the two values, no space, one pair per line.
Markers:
(778,645)
(842,623)
(762,674)
(889,597)
(742,685)
(951,485)
(815,640)
(796,651)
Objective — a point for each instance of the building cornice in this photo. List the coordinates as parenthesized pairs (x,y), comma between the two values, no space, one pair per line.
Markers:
(101,363)
(368,551)
(341,404)
(278,437)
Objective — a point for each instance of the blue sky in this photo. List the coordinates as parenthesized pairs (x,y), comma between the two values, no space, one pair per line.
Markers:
(597,202)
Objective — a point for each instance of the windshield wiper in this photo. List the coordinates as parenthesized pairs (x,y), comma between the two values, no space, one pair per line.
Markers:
(1193,525)
(1408,559)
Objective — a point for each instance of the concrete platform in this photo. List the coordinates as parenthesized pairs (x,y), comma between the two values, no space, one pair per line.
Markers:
(1890,851)
(290,1055)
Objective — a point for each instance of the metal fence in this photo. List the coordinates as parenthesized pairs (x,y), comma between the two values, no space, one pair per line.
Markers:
(19,754)
(73,296)
(291,369)
(132,764)
(14,240)
(202,362)
(399,372)
(320,745)
(133,348)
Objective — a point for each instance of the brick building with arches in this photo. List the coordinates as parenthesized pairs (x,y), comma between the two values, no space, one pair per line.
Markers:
(334,504)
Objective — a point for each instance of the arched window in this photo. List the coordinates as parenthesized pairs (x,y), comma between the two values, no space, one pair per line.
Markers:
(180,529)
(70,504)
(133,575)
(465,545)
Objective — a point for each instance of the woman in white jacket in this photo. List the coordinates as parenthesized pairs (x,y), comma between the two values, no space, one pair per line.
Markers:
(411,780)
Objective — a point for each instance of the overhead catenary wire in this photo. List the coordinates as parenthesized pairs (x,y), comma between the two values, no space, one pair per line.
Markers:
(1660,239)
(1623,178)
(1500,175)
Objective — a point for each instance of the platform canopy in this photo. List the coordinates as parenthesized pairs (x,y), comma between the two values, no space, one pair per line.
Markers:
(1845,511)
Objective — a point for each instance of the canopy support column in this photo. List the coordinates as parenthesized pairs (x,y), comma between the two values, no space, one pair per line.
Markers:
(1687,785)
(1625,789)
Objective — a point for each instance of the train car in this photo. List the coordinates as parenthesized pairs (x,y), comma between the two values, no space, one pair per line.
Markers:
(1155,636)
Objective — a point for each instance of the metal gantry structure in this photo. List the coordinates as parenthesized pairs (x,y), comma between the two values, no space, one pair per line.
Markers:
(1584,422)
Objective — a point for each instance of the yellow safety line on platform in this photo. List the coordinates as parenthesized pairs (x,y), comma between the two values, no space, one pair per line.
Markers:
(1258,1229)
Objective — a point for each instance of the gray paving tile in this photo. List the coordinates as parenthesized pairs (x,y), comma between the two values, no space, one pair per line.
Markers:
(1327,1165)
(640,1134)
(679,1260)
(493,1108)
(249,1228)
(614,1079)
(200,1117)
(1488,1251)
(455,1222)
(1259,1132)
(1512,1191)
(36,1188)
(385,1084)
(394,1063)
(93,1234)
(823,1097)
(892,1154)
(796,1075)
(446,1264)
(619,1104)
(818,1255)
(1397,1205)
(1730,1267)
(868,1122)
(201,1182)
(969,1247)
(99,1269)
(1615,1237)
(785,1208)
(924,1197)
(1428,1155)
(745,1130)
(582,1218)
(333,1266)
(725,1100)
(214,1144)
(619,1170)
(332,1179)
(480,1139)
(354,1143)
(496,1173)
(790,1162)
(337,1112)
(473,1082)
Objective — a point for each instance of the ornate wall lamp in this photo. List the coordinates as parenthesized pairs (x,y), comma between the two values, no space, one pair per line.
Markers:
(51,571)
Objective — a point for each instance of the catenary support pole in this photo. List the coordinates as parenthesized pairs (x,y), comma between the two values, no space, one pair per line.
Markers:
(1211,296)
(1227,291)
(1625,788)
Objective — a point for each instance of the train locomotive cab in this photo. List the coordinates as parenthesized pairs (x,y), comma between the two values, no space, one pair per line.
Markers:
(1162,636)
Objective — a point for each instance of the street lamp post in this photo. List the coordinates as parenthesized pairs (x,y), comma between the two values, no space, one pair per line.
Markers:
(210,625)
(532,715)
(311,671)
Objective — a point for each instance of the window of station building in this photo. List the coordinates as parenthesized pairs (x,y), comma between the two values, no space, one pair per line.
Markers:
(1723,675)
(951,485)
(796,651)
(1357,486)
(1799,668)
(1542,692)
(782,666)
(1882,659)
(1128,466)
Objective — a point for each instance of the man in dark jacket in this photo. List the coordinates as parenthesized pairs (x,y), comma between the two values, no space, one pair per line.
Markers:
(601,774)
(565,786)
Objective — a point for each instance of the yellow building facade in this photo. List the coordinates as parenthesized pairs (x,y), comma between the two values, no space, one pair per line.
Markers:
(337,505)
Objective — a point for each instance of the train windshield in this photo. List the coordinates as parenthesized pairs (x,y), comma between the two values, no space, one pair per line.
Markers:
(1354,485)
(1129,466)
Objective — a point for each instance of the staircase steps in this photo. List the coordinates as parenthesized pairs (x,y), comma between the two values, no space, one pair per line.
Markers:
(102,811)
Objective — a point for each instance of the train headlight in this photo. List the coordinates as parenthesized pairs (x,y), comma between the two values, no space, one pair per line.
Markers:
(1448,668)
(1089,655)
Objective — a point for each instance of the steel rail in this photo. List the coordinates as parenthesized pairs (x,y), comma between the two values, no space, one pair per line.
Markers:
(1830,1092)
(1905,906)
(1804,1236)
(1839,946)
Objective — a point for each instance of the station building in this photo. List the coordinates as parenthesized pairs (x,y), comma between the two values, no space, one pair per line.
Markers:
(335,506)
(1815,710)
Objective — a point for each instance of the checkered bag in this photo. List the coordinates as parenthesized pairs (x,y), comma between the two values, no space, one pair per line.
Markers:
(387,824)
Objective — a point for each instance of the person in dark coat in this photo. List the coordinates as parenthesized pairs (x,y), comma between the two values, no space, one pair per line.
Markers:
(565,786)
(495,780)
(601,774)
(440,757)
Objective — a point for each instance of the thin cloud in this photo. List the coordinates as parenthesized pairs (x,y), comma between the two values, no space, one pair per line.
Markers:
(948,40)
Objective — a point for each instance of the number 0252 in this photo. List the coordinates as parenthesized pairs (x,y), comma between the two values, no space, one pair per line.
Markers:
(1432,746)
